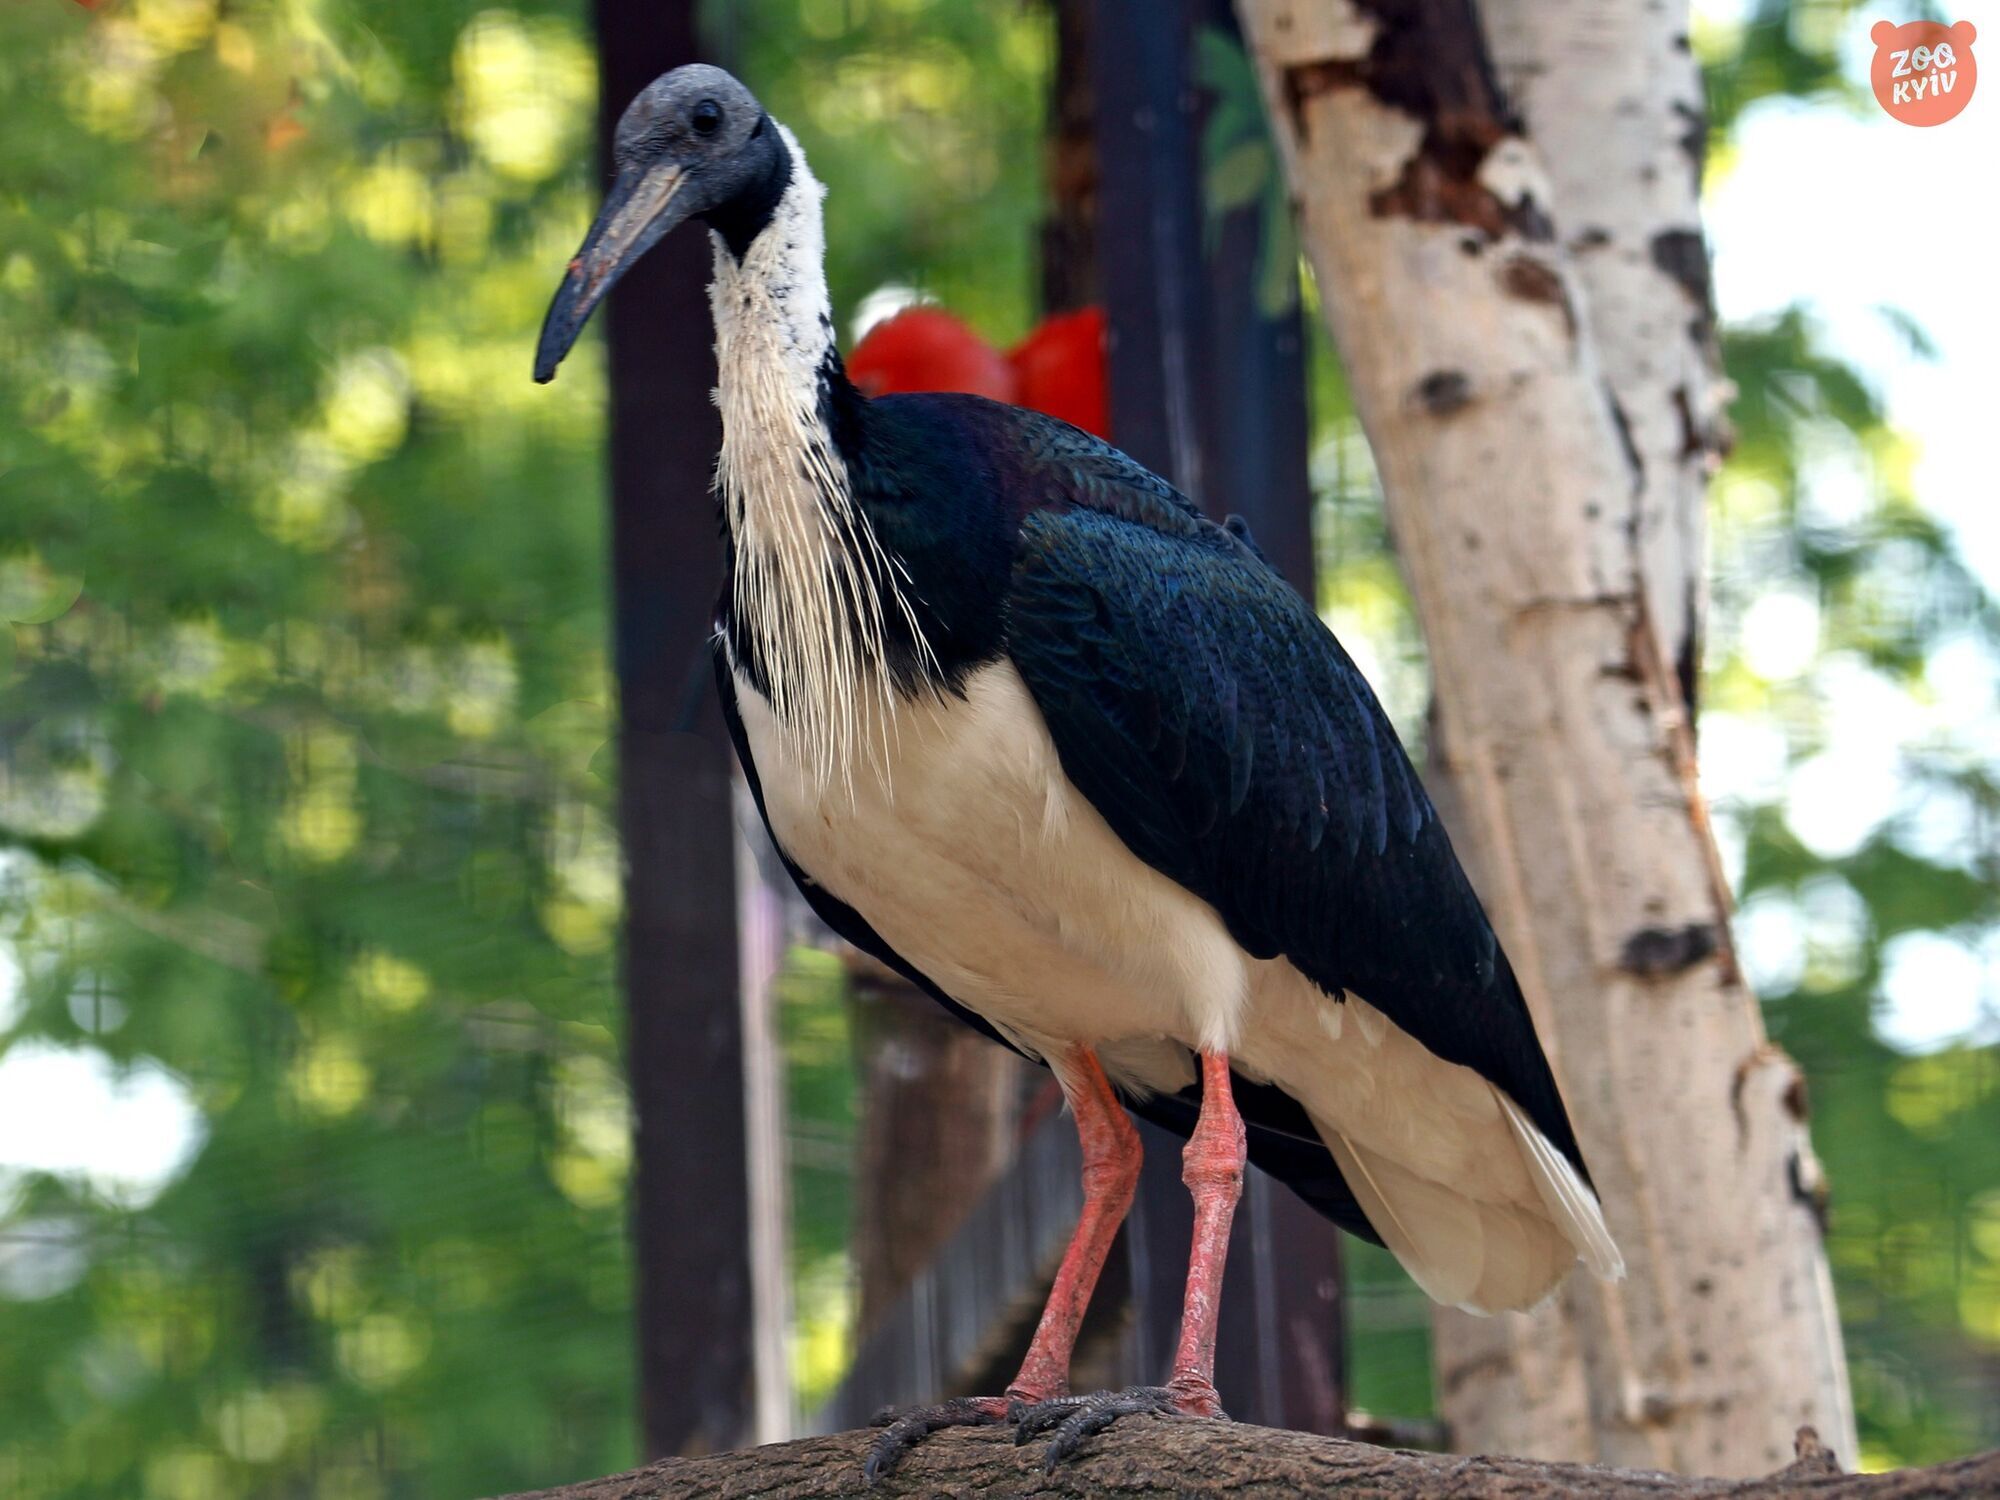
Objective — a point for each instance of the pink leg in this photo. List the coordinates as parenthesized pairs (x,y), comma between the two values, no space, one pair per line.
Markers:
(1110,1174)
(1212,1168)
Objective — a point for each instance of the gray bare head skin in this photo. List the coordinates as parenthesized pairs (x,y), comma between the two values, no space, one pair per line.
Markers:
(694,144)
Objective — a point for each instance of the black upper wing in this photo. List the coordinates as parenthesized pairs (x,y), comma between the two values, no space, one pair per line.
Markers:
(1215,722)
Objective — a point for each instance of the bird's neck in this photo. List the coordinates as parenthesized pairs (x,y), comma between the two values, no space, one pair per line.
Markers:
(811,586)
(774,345)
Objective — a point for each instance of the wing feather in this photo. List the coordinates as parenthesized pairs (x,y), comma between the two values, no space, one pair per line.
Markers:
(1221,730)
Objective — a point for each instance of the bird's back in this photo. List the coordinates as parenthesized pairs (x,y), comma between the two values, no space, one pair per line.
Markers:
(1213,720)
(1198,706)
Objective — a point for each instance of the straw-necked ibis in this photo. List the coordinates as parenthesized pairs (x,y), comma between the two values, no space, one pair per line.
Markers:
(1029,728)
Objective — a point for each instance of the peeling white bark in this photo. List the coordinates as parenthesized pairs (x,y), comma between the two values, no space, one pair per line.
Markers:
(1563,743)
(1611,95)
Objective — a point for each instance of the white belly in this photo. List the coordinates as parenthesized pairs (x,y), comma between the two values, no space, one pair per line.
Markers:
(967,848)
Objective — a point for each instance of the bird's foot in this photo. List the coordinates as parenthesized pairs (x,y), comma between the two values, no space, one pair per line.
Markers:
(1075,1418)
(903,1430)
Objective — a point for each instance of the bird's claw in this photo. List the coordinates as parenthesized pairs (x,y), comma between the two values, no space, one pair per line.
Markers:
(1028,1418)
(903,1430)
(1075,1418)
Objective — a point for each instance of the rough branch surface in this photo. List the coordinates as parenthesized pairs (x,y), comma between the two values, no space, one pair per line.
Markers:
(1158,1457)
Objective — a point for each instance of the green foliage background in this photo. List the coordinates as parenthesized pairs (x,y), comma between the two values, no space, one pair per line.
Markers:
(304,700)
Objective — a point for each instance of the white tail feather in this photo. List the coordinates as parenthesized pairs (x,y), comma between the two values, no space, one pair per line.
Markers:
(1473,1199)
(1484,1257)
(1435,1233)
(1572,1205)
(1483,1215)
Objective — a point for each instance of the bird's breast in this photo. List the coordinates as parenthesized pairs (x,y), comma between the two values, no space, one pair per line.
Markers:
(962,842)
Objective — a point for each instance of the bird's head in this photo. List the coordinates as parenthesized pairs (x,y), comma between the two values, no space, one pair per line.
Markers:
(694,144)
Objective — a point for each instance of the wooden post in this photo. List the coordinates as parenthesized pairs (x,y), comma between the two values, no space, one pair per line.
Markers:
(684,1048)
(1209,391)
(940,1104)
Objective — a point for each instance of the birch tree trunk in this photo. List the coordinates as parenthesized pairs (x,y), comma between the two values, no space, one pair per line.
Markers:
(1611,95)
(1556,587)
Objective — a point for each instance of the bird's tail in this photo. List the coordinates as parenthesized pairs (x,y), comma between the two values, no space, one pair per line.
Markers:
(1484,1254)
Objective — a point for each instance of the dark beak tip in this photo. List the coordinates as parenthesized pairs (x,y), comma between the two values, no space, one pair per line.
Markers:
(559,331)
(595,269)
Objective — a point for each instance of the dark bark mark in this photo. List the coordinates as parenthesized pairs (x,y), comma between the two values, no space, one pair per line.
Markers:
(1693,137)
(1429,60)
(1657,952)
(1701,440)
(1304,81)
(1809,1191)
(1693,445)
(1795,1099)
(1440,185)
(1682,254)
(1534,280)
(1687,661)
(1443,392)
(1627,444)
(1764,1052)
(1593,238)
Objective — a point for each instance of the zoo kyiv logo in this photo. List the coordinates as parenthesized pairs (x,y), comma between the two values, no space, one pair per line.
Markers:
(1923,72)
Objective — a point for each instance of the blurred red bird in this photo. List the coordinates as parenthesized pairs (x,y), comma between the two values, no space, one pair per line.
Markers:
(927,349)
(1060,370)
(1057,369)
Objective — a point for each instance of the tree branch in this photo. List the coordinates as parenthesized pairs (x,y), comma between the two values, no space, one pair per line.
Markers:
(1159,1457)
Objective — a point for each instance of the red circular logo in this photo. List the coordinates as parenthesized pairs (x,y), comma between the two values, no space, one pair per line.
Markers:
(1923,72)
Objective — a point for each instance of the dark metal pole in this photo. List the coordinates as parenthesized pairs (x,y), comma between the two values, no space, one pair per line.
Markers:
(684,1045)
(1208,390)
(1149,231)
(1257,429)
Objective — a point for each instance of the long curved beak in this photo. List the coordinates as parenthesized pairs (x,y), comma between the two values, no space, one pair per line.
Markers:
(640,208)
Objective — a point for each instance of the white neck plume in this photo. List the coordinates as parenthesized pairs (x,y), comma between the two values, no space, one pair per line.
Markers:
(806,586)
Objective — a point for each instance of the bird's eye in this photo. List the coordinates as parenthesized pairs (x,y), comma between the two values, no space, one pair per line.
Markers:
(706,117)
